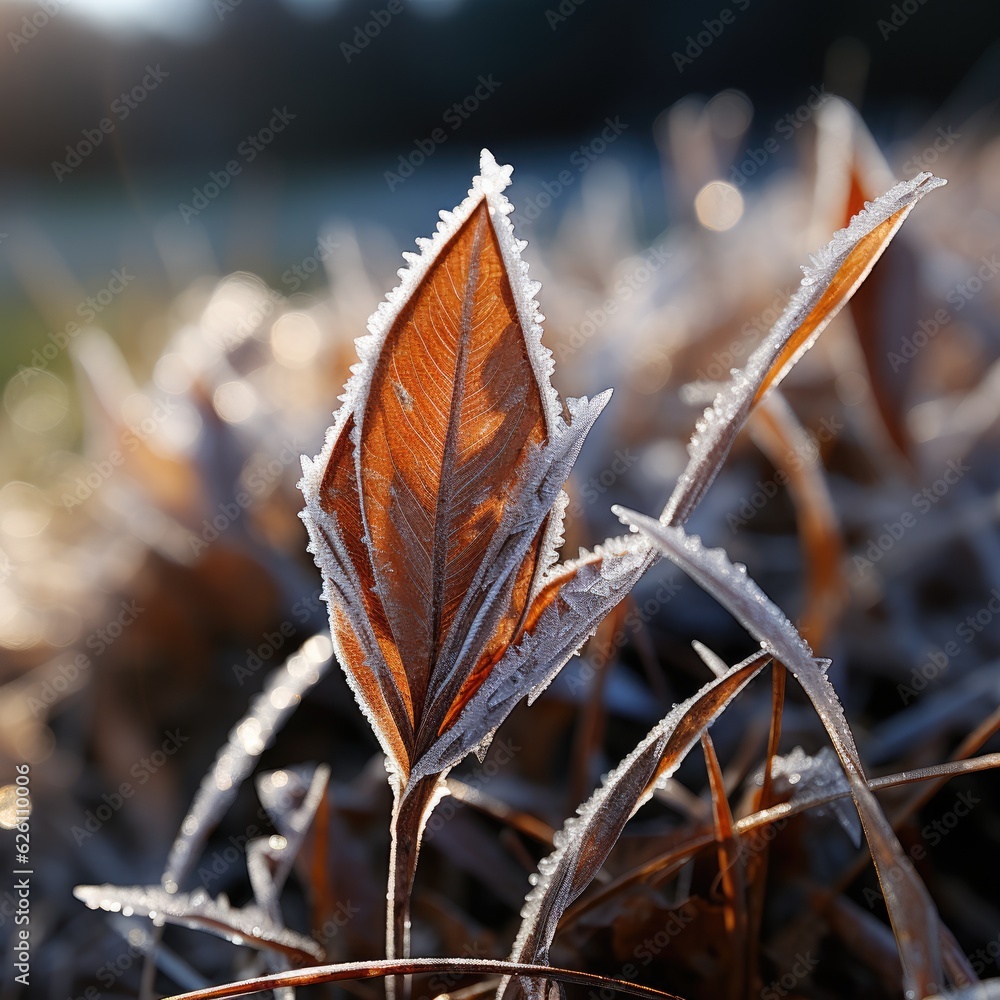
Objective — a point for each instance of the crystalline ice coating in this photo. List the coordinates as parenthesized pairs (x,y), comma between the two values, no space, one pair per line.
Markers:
(816,777)
(586,838)
(714,432)
(489,185)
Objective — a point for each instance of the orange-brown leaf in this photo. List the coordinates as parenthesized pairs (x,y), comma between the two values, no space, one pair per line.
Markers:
(836,272)
(339,497)
(845,281)
(454,410)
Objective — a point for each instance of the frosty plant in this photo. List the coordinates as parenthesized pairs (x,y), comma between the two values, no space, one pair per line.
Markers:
(435,512)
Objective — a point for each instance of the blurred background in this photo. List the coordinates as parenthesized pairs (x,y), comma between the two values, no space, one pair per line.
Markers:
(200,205)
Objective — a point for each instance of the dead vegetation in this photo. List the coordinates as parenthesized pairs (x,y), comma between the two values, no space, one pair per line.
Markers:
(863,500)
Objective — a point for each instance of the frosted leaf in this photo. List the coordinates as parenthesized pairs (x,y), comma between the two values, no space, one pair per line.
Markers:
(244,925)
(846,259)
(914,918)
(234,763)
(530,529)
(586,839)
(809,778)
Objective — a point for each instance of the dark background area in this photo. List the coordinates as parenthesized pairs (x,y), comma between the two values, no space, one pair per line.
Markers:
(561,70)
(560,74)
(357,114)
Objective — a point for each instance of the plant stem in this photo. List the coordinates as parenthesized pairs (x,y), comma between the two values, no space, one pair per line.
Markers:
(411,807)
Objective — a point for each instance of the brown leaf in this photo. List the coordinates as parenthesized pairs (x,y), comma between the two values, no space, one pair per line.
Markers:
(431,507)
(454,411)
(586,840)
(836,272)
(435,510)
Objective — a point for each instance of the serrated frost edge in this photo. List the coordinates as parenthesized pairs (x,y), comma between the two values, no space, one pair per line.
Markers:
(489,185)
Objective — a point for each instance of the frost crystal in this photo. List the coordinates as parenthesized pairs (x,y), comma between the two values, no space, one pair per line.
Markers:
(817,777)
(717,427)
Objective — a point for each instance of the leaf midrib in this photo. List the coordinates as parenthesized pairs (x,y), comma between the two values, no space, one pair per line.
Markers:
(443,513)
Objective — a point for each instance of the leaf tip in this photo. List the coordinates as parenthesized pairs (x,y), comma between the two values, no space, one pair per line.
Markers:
(626,516)
(926,181)
(493,177)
